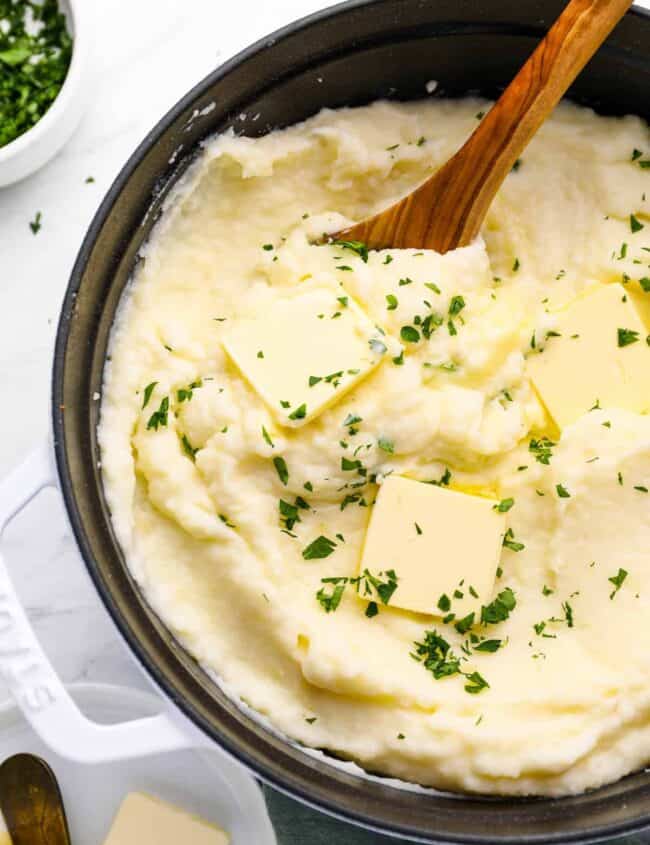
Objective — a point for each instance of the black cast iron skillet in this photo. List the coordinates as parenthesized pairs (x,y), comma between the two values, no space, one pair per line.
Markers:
(348,55)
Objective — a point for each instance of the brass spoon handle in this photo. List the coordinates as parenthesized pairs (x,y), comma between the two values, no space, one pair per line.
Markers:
(447,210)
(31,802)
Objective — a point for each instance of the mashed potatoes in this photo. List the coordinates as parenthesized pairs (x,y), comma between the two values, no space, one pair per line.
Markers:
(195,478)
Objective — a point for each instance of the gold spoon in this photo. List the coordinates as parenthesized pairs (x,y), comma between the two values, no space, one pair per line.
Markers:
(447,210)
(31,802)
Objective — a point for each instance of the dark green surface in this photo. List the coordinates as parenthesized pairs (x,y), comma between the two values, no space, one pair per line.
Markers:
(296,824)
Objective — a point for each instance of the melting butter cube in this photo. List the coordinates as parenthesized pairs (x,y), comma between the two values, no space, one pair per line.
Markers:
(144,820)
(306,350)
(440,543)
(600,358)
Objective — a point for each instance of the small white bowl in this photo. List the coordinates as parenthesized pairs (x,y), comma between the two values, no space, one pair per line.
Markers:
(39,144)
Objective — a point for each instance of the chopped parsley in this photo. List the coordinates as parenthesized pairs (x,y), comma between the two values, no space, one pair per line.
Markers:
(635,224)
(35,224)
(357,247)
(386,445)
(147,393)
(281,468)
(189,450)
(476,684)
(509,542)
(409,334)
(568,613)
(562,492)
(499,609)
(504,505)
(330,598)
(542,449)
(627,336)
(267,438)
(289,514)
(456,305)
(319,548)
(367,584)
(391,302)
(35,54)
(299,413)
(617,580)
(159,417)
(436,655)
(185,394)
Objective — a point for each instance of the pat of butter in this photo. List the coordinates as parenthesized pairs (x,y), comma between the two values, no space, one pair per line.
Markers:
(306,351)
(438,542)
(601,357)
(144,820)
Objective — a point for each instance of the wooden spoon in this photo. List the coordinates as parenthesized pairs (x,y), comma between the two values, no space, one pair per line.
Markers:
(447,211)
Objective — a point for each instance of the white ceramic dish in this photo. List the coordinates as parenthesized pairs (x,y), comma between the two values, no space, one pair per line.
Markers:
(39,144)
(203,782)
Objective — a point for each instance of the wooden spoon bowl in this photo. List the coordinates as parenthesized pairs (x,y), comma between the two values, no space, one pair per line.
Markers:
(448,210)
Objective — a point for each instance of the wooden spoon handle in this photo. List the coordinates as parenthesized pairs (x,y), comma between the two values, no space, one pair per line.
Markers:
(447,210)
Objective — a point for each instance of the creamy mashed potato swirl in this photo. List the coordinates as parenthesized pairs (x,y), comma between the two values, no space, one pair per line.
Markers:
(194,489)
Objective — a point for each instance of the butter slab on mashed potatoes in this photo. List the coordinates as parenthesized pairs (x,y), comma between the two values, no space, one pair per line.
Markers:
(398,489)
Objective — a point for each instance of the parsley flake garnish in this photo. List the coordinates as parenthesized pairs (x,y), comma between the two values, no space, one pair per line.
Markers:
(35,224)
(189,450)
(409,334)
(319,548)
(391,301)
(281,468)
(159,417)
(504,505)
(147,393)
(627,336)
(357,247)
(509,542)
(499,609)
(562,492)
(617,580)
(267,437)
(386,445)
(299,413)
(635,224)
(185,394)
(568,613)
(542,449)
(456,305)
(476,684)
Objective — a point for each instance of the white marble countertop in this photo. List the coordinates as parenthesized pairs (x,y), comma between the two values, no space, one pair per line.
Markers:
(147,54)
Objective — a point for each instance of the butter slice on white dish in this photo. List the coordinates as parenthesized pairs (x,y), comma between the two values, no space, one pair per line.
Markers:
(586,365)
(144,820)
(438,542)
(306,350)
